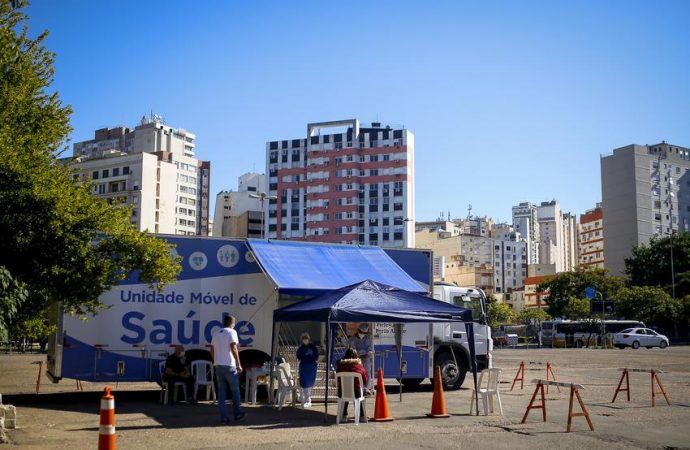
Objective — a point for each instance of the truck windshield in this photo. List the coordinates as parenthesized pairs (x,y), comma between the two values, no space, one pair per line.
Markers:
(472,303)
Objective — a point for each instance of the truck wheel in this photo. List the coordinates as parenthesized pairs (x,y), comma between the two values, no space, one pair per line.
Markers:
(412,383)
(452,374)
(636,345)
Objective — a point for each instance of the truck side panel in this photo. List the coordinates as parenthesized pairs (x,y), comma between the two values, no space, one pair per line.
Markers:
(125,341)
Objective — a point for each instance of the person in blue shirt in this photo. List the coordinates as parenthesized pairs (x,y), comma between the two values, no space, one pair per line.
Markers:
(362,342)
(308,355)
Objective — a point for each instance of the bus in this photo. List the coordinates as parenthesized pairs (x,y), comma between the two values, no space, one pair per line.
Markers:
(579,333)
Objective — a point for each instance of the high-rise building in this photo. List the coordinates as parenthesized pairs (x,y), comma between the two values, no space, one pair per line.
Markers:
(525,222)
(550,219)
(590,238)
(355,185)
(645,192)
(509,259)
(569,240)
(153,168)
(238,213)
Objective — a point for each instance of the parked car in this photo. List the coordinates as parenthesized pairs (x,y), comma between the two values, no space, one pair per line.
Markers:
(639,337)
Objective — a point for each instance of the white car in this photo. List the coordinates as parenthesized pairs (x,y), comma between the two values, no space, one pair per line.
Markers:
(639,337)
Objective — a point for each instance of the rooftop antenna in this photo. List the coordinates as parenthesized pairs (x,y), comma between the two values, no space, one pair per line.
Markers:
(469,211)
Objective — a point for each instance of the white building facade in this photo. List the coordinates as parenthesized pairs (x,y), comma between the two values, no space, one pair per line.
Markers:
(152,168)
(237,213)
(526,223)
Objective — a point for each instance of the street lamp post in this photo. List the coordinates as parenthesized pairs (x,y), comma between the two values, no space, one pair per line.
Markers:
(262,196)
(670,226)
(591,293)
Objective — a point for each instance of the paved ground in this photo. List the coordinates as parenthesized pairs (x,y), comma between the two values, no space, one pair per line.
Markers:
(59,418)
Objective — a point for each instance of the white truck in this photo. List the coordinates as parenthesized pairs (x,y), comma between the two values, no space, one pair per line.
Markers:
(250,279)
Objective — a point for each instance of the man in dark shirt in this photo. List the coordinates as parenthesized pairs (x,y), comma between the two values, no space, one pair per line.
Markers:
(177,371)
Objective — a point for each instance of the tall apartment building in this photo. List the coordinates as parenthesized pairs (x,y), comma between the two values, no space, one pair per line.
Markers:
(525,222)
(550,219)
(355,185)
(153,168)
(590,238)
(509,259)
(569,240)
(645,192)
(557,236)
(237,213)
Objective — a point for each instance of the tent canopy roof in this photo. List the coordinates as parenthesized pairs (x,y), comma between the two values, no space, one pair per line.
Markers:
(370,301)
(300,268)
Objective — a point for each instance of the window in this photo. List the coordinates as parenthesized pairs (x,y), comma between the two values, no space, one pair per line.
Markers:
(125,170)
(116,171)
(94,175)
(105,173)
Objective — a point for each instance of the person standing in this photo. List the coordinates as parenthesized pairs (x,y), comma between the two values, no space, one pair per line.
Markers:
(362,342)
(308,355)
(226,362)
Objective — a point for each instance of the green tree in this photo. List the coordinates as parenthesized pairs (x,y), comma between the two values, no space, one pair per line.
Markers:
(533,315)
(500,314)
(650,265)
(577,308)
(567,285)
(59,243)
(651,305)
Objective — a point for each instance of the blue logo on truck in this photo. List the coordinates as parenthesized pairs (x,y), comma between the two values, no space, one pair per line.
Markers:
(183,331)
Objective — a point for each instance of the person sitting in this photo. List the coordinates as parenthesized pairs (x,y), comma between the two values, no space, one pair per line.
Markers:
(177,371)
(352,363)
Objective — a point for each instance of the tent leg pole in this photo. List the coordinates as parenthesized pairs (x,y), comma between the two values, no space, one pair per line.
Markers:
(328,367)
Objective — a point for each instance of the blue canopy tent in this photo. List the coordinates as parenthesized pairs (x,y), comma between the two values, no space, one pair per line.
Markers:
(370,301)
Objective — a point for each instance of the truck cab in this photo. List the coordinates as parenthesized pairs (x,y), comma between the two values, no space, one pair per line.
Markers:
(451,349)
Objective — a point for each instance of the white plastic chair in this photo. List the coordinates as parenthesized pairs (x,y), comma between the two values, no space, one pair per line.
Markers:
(286,384)
(165,388)
(489,392)
(202,371)
(346,381)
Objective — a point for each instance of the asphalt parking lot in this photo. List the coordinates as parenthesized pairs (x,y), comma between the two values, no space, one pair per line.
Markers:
(61,418)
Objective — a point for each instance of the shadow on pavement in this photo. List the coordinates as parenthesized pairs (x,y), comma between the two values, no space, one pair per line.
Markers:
(179,415)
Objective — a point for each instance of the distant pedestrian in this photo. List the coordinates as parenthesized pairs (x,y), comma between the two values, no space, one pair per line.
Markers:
(308,355)
(226,361)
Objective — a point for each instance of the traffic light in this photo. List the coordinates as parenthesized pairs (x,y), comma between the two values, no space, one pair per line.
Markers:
(608,307)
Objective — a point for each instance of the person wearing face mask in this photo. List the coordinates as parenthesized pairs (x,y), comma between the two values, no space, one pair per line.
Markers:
(308,355)
(361,341)
(176,370)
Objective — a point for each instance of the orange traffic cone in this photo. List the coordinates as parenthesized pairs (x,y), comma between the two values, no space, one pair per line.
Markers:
(438,404)
(106,434)
(381,411)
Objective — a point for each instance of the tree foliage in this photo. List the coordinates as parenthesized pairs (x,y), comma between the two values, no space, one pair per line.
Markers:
(500,314)
(533,315)
(566,286)
(650,265)
(651,305)
(59,243)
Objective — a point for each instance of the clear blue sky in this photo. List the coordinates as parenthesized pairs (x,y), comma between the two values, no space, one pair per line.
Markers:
(509,101)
